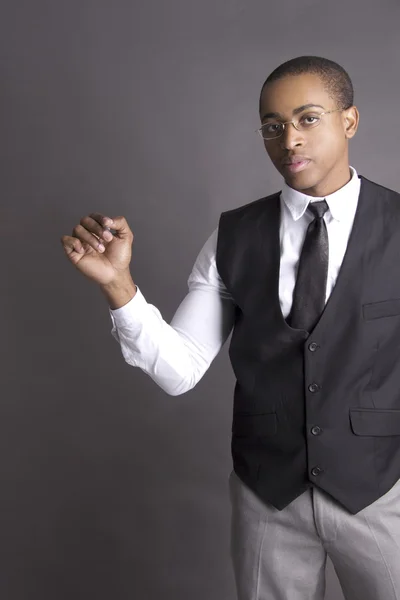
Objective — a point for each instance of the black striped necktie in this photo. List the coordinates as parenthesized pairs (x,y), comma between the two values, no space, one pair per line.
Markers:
(310,289)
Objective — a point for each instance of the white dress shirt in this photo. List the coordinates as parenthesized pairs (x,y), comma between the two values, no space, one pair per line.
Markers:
(177,355)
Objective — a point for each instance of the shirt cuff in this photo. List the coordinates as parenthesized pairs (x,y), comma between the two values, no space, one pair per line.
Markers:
(131,313)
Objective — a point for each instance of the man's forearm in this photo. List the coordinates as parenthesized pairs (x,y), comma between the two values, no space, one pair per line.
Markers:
(119,292)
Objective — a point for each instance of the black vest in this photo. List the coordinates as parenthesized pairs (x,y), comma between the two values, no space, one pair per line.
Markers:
(320,408)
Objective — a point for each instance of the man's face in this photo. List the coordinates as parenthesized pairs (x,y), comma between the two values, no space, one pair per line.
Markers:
(326,146)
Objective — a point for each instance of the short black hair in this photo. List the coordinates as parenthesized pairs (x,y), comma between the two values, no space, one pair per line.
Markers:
(335,79)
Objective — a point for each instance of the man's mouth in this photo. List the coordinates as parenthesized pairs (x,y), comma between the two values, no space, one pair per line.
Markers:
(295,167)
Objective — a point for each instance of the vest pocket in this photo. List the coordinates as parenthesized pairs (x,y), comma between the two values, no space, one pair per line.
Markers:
(385,308)
(254,425)
(375,421)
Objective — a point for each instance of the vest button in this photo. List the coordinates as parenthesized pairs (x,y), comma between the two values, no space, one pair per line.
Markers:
(316,430)
(314,387)
(316,471)
(313,346)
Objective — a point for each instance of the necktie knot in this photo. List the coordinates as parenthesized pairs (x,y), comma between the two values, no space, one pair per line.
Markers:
(319,208)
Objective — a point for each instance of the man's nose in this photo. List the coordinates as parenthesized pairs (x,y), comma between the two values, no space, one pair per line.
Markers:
(290,136)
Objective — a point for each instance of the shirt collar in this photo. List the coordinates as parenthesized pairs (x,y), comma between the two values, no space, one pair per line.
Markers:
(339,202)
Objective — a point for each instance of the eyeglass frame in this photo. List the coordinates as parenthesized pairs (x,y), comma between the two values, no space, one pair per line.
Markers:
(295,123)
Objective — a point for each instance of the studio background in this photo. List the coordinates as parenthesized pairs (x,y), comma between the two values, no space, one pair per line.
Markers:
(110,488)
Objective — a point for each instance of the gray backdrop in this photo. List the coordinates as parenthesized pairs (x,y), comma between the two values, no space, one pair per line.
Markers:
(110,487)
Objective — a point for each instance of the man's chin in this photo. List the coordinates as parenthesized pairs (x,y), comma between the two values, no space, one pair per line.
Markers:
(302,179)
(299,181)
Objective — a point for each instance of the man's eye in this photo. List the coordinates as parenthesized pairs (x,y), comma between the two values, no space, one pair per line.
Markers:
(269,127)
(309,117)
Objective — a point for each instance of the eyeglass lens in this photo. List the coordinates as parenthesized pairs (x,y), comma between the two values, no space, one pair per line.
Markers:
(274,129)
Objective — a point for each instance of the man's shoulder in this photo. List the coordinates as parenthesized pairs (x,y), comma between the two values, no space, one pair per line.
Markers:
(378,187)
(253,206)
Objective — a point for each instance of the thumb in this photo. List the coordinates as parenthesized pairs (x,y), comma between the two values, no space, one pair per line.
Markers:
(119,227)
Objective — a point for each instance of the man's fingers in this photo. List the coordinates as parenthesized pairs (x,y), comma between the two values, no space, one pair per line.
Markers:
(119,224)
(71,244)
(83,233)
(106,223)
(96,231)
(100,224)
(92,225)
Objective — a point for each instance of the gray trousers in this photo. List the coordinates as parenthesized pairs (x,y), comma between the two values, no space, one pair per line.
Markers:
(281,555)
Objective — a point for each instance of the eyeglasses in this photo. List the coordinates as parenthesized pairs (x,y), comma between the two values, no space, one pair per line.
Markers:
(267,131)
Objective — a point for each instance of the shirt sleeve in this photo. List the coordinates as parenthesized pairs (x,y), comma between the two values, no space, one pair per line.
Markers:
(177,355)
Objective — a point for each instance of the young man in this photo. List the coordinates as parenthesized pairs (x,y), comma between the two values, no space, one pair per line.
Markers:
(307,279)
